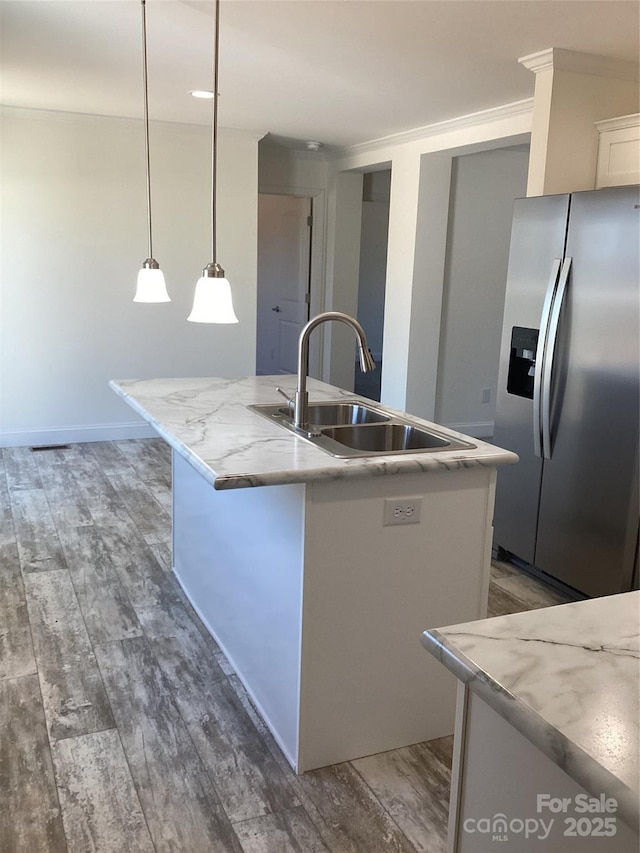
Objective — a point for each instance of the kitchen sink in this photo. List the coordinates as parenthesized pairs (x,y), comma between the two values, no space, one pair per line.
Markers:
(386,438)
(332,414)
(351,428)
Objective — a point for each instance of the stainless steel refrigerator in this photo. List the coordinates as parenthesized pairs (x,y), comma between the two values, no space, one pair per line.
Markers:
(568,398)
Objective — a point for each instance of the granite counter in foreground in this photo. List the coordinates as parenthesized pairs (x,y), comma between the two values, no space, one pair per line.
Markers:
(208,423)
(567,678)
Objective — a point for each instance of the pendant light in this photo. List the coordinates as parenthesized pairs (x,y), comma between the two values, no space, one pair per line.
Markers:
(212,301)
(150,286)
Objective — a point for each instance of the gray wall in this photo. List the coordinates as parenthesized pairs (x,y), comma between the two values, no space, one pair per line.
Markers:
(373,256)
(484,186)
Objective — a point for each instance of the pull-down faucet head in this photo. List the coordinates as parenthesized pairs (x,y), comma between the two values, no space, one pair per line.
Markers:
(367,364)
(300,418)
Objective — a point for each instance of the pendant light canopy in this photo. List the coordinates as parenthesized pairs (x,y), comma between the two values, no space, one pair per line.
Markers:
(151,286)
(212,302)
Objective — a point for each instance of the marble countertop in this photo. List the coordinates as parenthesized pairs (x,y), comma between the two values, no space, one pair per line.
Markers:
(568,679)
(207,421)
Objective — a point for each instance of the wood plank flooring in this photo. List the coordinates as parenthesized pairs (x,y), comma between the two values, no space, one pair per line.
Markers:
(123,729)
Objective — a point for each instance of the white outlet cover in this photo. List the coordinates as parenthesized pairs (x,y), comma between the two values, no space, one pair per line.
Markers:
(402,511)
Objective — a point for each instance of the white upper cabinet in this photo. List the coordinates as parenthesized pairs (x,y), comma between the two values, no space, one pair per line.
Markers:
(618,151)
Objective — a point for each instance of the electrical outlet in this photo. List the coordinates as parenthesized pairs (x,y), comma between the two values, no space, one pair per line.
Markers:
(486,395)
(402,511)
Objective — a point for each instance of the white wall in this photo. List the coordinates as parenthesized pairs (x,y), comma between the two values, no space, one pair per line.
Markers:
(428,283)
(73,238)
(483,188)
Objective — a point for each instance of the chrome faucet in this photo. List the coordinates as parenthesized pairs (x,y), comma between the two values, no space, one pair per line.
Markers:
(301,399)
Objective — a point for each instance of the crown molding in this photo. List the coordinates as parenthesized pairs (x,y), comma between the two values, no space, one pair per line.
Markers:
(619,123)
(505,111)
(559,59)
(537,62)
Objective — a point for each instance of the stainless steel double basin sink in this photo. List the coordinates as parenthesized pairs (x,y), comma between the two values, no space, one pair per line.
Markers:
(351,428)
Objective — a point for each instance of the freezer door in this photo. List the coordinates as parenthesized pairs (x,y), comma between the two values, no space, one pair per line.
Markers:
(588,519)
(537,245)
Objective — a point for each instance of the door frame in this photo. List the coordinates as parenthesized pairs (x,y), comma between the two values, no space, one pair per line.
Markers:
(317,263)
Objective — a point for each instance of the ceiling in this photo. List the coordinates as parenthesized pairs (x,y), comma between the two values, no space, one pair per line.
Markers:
(337,71)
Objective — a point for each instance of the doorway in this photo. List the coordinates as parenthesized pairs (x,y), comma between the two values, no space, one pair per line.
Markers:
(284,275)
(376,189)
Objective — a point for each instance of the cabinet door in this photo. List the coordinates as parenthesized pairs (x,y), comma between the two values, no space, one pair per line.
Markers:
(618,152)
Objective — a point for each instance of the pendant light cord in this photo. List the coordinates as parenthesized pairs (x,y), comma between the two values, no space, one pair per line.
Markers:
(146,117)
(214,135)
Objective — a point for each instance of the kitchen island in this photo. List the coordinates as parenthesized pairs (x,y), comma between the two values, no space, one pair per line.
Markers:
(547,752)
(317,603)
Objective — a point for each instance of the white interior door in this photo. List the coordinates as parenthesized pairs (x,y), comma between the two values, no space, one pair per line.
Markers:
(284,240)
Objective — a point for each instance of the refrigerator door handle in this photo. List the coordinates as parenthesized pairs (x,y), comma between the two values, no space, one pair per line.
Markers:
(540,354)
(547,368)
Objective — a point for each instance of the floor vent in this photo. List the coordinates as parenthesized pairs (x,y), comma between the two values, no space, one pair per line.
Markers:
(50,447)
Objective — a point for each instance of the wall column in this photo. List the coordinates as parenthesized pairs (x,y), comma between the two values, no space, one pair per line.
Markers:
(418,215)
(428,284)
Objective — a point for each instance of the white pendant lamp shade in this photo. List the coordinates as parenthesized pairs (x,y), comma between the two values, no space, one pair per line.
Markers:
(151,286)
(212,301)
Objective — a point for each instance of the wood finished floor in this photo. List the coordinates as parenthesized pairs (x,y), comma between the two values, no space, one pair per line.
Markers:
(122,727)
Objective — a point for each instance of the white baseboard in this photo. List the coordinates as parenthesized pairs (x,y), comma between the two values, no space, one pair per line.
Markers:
(76,434)
(478,429)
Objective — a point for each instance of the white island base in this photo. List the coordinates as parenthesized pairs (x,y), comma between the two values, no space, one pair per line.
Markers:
(320,608)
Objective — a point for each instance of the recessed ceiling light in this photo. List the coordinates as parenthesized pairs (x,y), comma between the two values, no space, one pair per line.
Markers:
(201,93)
